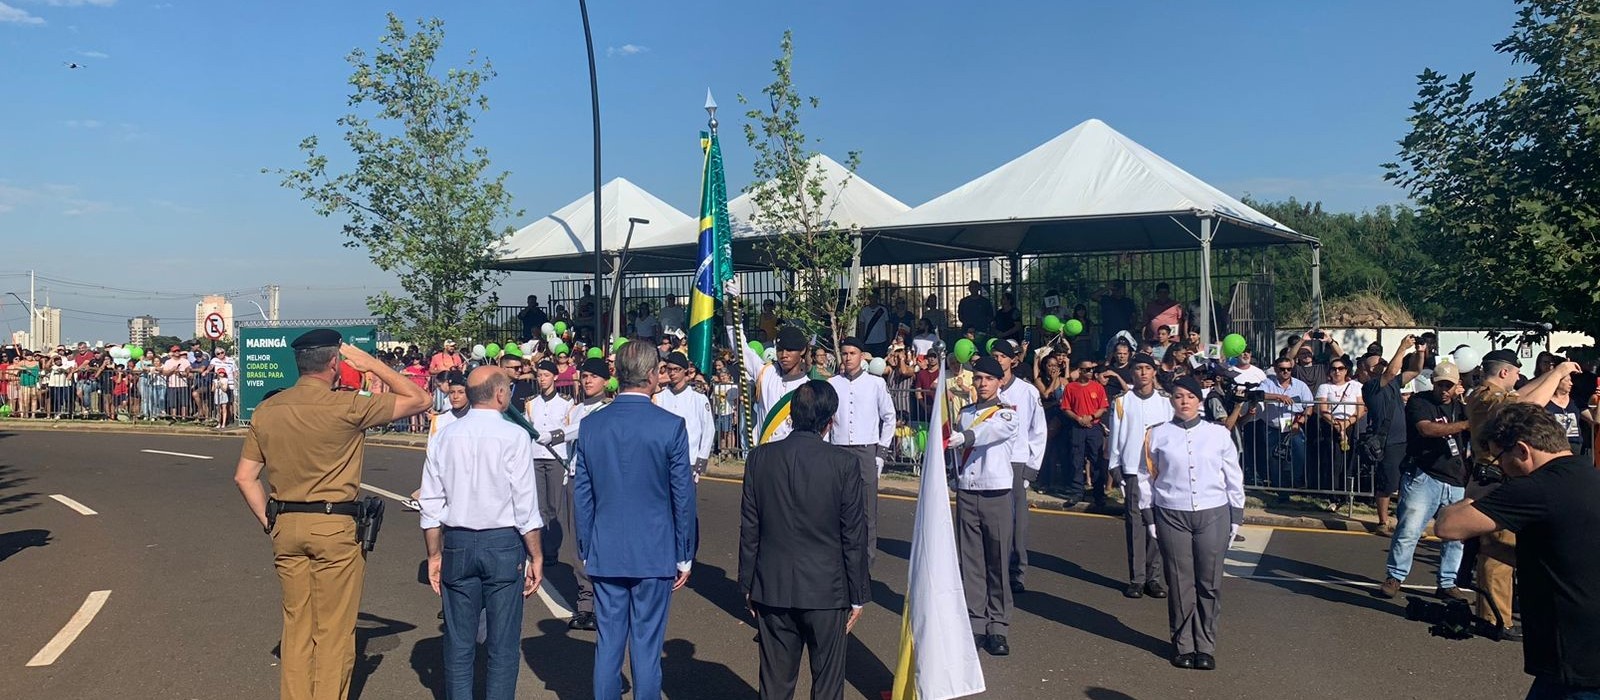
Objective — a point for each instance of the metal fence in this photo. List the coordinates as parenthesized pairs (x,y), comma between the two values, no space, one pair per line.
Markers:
(109,391)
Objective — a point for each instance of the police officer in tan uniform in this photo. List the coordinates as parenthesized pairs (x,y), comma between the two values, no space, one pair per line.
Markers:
(310,440)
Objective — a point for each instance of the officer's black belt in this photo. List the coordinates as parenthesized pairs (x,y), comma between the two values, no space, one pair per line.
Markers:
(350,508)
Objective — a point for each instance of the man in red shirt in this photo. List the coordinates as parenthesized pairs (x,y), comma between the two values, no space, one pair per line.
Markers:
(927,386)
(1085,404)
(446,360)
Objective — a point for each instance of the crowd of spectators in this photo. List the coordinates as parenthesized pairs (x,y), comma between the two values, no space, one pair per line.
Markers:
(187,384)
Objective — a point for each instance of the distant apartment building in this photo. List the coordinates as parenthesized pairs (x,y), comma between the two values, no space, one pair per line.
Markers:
(208,305)
(45,329)
(142,328)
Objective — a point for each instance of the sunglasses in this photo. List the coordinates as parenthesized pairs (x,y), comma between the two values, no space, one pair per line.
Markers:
(1284,369)
(1340,368)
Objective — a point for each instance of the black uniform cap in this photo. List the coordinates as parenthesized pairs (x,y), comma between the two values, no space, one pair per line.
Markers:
(548,366)
(596,367)
(1191,385)
(988,365)
(851,341)
(677,359)
(319,338)
(1503,355)
(791,338)
(1142,358)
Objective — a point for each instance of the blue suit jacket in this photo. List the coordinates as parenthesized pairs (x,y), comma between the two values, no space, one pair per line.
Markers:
(634,492)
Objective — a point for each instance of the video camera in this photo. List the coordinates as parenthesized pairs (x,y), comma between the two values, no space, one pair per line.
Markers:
(1248,392)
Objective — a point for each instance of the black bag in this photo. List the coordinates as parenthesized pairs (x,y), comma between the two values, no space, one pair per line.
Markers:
(1373,445)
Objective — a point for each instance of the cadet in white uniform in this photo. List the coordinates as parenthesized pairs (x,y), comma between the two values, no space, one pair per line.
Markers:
(863,425)
(592,376)
(1133,413)
(1193,491)
(1027,451)
(690,405)
(774,382)
(548,412)
(985,511)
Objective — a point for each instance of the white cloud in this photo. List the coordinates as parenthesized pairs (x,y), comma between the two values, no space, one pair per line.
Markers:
(627,50)
(80,3)
(84,123)
(13,197)
(94,54)
(15,15)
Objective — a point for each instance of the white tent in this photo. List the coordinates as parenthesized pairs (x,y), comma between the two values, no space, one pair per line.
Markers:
(564,240)
(1091,189)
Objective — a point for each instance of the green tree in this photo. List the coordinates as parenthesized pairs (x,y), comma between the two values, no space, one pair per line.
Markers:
(418,196)
(811,254)
(1508,186)
(160,343)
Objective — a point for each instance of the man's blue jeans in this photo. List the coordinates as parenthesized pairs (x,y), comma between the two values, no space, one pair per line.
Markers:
(86,391)
(159,389)
(1421,498)
(482,570)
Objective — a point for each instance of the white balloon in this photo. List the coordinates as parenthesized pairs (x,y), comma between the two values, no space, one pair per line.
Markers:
(1467,359)
(877,366)
(529,347)
(771,355)
(478,353)
(547,330)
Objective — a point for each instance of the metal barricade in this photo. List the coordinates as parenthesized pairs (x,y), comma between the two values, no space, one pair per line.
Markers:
(1319,457)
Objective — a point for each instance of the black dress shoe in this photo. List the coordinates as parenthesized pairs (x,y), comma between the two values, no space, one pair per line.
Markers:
(1133,590)
(998,645)
(1017,587)
(582,621)
(1205,662)
(1183,661)
(1154,589)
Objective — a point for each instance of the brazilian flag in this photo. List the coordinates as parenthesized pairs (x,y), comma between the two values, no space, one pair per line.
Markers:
(716,255)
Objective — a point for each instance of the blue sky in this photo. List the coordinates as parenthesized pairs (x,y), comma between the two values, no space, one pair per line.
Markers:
(140,171)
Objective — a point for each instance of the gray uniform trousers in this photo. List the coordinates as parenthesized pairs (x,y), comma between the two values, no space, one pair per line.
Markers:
(867,457)
(569,525)
(984,520)
(547,474)
(1144,554)
(1194,544)
(1019,523)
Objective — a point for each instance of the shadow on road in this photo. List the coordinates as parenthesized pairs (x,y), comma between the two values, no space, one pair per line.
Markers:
(1098,693)
(721,590)
(374,637)
(1329,585)
(1087,619)
(18,540)
(864,671)
(684,677)
(564,662)
(1053,563)
(14,502)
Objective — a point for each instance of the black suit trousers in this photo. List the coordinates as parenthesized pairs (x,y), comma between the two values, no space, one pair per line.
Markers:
(785,632)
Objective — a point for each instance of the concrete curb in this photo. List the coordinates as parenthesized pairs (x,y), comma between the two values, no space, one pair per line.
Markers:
(735,471)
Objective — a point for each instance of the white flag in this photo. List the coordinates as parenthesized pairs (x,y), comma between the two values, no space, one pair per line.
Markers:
(938,659)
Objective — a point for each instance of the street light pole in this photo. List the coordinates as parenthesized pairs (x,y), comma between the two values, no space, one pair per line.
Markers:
(594,107)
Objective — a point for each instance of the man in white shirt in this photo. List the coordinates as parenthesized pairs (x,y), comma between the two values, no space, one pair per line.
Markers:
(478,504)
(690,405)
(1027,450)
(1132,415)
(672,317)
(863,425)
(548,412)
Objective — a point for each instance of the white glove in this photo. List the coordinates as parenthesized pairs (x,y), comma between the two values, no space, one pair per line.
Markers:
(1233,534)
(731,287)
(543,439)
(958,439)
(1024,484)
(879,462)
(566,477)
(1153,534)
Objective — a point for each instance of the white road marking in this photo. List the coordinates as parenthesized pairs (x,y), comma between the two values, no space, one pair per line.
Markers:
(1244,554)
(176,454)
(384,493)
(1337,581)
(81,508)
(554,601)
(75,626)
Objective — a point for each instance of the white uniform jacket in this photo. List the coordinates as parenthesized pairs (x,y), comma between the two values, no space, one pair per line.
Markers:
(984,458)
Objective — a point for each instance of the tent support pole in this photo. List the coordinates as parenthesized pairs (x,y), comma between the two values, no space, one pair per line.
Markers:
(1014,273)
(1205,281)
(1316,285)
(855,262)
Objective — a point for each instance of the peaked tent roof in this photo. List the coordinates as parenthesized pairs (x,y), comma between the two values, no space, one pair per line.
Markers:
(564,240)
(1090,189)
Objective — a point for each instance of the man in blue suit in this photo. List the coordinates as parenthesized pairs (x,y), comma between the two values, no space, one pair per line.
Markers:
(635,505)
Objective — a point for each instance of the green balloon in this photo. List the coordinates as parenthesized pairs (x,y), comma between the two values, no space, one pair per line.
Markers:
(1052,324)
(618,343)
(756,346)
(611,384)
(1073,327)
(965,350)
(596,353)
(5,410)
(988,346)
(491,351)
(511,349)
(1233,345)
(561,327)
(136,352)
(922,439)
(560,349)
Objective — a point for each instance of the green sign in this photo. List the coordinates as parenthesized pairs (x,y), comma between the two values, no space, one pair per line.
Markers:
(266,362)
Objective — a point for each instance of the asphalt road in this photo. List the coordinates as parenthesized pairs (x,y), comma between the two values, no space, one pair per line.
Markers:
(193,605)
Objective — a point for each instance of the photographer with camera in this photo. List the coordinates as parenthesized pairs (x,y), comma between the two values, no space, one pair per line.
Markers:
(1496,558)
(1312,353)
(1548,498)
(1383,446)
(1286,408)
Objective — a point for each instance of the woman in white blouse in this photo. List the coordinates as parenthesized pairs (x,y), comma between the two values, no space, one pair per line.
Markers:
(1339,412)
(1192,492)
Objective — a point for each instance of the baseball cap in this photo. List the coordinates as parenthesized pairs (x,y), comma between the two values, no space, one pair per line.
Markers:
(1447,372)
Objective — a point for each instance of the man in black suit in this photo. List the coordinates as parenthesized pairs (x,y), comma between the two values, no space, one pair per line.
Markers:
(802,548)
